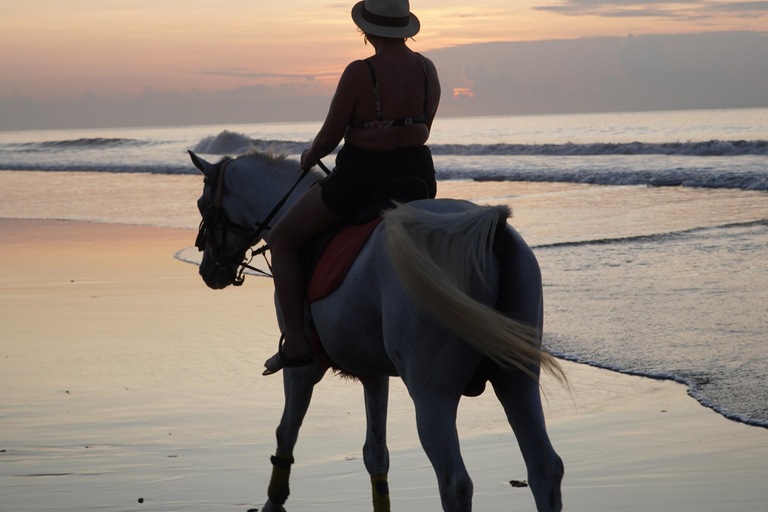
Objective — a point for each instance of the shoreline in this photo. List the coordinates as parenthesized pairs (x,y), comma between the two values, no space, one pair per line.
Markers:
(690,389)
(124,375)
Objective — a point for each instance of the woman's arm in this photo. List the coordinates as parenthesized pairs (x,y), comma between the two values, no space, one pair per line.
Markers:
(339,115)
(434,92)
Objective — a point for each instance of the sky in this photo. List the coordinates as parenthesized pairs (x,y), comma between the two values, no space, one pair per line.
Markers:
(92,63)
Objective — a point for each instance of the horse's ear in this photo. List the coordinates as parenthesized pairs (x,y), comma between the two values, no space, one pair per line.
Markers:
(206,168)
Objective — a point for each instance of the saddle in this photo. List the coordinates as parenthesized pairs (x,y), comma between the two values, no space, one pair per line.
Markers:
(328,258)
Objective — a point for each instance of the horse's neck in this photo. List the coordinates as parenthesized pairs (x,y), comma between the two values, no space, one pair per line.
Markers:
(256,187)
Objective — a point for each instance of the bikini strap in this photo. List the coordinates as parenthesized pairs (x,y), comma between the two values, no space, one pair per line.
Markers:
(375,89)
(378,97)
(426,84)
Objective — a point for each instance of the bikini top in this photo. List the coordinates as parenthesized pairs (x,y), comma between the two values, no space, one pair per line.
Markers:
(387,123)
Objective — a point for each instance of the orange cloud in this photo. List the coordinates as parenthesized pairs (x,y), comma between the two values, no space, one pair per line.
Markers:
(463,91)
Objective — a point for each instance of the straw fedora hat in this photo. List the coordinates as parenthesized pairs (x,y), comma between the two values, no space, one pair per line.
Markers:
(386,18)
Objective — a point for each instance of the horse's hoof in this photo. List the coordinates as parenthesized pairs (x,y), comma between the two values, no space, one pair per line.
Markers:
(270,506)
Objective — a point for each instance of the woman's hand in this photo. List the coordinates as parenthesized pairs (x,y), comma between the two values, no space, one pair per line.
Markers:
(306,162)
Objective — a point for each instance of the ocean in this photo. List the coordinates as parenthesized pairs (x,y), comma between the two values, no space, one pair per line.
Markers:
(651,228)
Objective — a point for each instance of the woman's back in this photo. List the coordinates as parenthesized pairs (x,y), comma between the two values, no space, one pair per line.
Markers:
(408,92)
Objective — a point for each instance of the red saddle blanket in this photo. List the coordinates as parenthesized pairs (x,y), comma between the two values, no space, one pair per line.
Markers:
(337,259)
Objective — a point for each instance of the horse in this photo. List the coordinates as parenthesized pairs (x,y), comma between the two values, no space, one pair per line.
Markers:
(444,294)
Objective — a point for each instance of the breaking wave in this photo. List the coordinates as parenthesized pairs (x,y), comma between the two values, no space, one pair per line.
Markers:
(231,143)
(736,164)
(708,148)
(80,144)
(228,142)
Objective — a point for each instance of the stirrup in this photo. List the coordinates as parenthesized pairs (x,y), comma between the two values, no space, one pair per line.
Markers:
(278,361)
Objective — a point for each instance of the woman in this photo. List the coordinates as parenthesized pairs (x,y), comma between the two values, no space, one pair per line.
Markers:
(383,109)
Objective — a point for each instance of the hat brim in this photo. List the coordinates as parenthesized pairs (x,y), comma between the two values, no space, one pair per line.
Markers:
(409,30)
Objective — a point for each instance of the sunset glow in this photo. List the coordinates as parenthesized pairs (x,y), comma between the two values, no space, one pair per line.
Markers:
(462,91)
(53,51)
(122,47)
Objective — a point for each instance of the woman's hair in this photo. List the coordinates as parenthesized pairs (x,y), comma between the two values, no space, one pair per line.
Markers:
(367,36)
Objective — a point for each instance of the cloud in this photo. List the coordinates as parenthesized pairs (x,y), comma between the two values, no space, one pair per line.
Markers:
(613,8)
(683,9)
(252,104)
(604,74)
(610,11)
(601,74)
(740,6)
(584,4)
(244,73)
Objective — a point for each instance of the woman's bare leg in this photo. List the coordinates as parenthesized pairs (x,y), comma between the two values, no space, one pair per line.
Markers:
(307,218)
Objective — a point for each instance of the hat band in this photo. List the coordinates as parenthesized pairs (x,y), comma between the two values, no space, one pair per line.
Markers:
(385,21)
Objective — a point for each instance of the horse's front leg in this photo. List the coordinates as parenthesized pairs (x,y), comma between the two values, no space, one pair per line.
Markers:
(298,384)
(375,452)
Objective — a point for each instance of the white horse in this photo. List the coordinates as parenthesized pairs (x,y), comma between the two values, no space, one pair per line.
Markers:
(437,296)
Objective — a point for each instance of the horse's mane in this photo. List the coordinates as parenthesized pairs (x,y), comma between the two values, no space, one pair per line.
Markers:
(269,156)
(277,169)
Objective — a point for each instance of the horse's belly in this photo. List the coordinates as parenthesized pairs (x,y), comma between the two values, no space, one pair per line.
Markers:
(349,321)
(352,338)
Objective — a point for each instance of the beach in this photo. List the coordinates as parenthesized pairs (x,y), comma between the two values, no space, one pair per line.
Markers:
(122,377)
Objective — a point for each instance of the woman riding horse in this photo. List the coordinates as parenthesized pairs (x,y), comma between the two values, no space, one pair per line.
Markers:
(383,108)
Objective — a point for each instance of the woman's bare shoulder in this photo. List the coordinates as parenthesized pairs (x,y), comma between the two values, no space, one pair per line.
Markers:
(356,68)
(431,68)
(354,74)
(427,60)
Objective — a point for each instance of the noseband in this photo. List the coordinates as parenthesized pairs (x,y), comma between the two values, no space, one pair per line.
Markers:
(215,217)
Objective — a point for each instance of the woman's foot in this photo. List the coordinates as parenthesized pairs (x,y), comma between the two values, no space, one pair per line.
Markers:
(288,358)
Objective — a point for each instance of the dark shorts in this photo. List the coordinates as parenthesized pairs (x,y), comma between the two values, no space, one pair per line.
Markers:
(359,174)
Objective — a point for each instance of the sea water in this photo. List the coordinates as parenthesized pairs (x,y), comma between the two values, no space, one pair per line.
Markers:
(651,228)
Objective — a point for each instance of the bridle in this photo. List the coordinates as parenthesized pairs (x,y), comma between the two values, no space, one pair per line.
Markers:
(215,217)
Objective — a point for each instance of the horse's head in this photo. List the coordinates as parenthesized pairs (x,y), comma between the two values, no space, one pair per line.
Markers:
(224,243)
(236,212)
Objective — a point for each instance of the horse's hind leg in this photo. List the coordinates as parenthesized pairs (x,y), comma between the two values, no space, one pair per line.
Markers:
(520,297)
(436,421)
(298,384)
(519,394)
(375,452)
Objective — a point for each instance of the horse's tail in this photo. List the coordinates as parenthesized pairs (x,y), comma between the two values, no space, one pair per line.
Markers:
(435,255)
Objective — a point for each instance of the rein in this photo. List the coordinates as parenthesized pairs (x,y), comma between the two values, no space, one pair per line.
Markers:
(323,167)
(214,215)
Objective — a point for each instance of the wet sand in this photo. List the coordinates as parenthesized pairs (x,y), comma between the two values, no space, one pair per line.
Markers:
(123,377)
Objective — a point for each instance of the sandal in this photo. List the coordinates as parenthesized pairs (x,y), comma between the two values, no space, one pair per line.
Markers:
(278,361)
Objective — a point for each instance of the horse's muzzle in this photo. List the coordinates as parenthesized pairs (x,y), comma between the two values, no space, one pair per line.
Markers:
(215,275)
